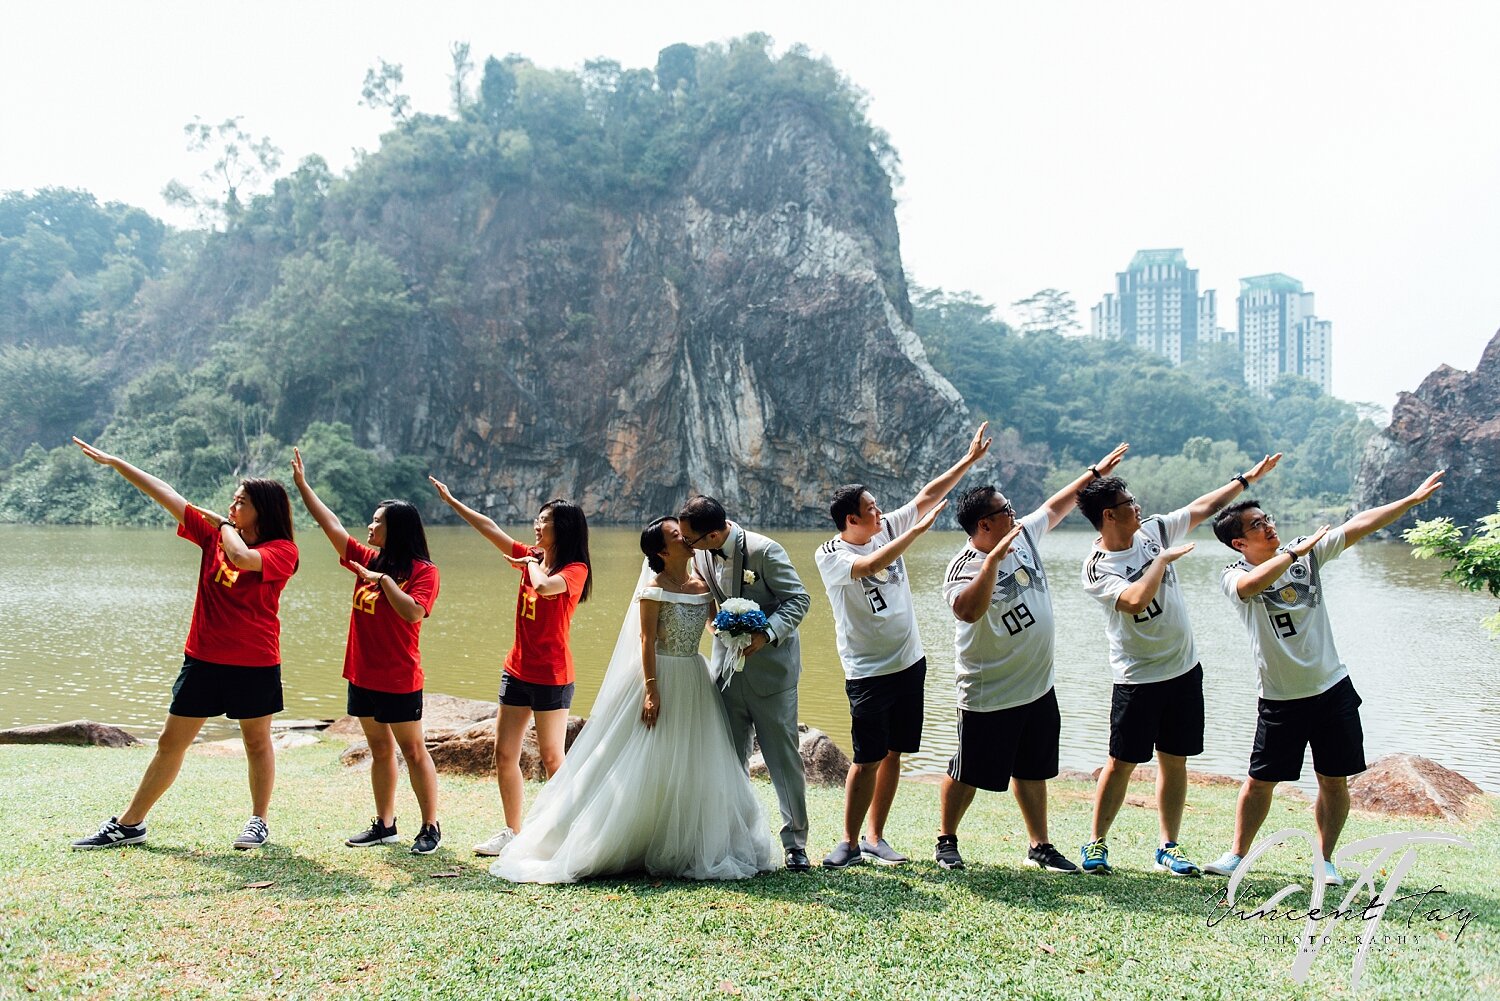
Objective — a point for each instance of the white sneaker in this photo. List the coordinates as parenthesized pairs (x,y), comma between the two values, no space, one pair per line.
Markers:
(495,844)
(1331,875)
(1224,865)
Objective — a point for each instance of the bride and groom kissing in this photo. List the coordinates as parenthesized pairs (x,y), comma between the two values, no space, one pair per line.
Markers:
(657,780)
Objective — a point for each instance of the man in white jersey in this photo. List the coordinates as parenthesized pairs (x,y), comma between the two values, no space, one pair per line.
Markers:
(1008,721)
(884,665)
(1306,696)
(1158,683)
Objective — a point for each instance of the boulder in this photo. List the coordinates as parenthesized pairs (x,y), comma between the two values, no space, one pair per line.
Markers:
(234,747)
(470,750)
(826,764)
(78,732)
(439,713)
(1413,786)
(302,724)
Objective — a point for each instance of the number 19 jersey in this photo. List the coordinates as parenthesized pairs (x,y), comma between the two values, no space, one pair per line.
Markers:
(1290,636)
(1005,659)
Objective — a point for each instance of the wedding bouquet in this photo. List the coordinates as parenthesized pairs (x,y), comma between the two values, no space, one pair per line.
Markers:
(737,620)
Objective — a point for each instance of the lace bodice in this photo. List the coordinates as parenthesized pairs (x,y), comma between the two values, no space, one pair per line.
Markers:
(679,625)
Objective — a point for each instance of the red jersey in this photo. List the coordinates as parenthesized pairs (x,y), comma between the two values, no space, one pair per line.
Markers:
(382,654)
(540,653)
(234,615)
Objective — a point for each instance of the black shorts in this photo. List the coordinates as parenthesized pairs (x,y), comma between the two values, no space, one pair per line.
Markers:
(1019,742)
(537,698)
(203,689)
(385,707)
(886,713)
(1165,714)
(1329,721)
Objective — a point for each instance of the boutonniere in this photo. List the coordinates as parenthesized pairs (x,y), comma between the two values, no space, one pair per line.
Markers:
(749,577)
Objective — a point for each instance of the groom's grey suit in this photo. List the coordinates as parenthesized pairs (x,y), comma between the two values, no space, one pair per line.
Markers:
(763,697)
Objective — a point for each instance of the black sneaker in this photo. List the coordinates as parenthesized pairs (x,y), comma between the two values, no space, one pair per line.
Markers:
(843,856)
(376,834)
(1047,858)
(947,852)
(428,839)
(111,834)
(254,835)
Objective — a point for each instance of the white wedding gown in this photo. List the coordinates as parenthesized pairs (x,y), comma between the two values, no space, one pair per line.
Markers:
(672,800)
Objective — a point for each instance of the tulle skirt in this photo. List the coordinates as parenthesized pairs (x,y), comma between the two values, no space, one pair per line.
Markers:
(673,800)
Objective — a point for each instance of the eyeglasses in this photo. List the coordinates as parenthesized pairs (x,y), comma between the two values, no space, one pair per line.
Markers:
(1128,500)
(696,539)
(1262,523)
(1009,509)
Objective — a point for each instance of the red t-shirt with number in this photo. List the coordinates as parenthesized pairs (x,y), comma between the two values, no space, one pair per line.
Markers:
(382,654)
(234,616)
(540,654)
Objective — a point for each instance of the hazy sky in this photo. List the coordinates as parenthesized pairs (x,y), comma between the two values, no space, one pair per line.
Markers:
(1352,146)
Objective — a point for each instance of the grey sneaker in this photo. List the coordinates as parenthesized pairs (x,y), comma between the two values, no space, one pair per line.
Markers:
(254,835)
(881,853)
(111,834)
(842,857)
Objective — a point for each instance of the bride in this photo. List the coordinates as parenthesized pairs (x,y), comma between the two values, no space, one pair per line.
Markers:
(652,783)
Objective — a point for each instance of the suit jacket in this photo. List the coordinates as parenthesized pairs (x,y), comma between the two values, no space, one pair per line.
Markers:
(779,593)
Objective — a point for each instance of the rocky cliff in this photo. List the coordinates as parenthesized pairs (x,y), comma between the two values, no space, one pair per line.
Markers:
(744,332)
(1451,422)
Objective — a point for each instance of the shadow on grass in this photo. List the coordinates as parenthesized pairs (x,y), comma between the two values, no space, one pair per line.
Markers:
(292,875)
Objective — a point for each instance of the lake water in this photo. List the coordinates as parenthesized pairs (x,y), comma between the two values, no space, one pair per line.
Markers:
(92,622)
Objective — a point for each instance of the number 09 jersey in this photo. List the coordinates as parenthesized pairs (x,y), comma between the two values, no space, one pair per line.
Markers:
(1005,659)
(1290,636)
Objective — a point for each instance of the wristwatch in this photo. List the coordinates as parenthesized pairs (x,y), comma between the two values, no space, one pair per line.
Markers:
(1243,482)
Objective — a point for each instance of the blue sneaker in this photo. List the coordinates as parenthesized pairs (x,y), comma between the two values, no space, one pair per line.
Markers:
(1224,865)
(1331,875)
(1096,857)
(1171,859)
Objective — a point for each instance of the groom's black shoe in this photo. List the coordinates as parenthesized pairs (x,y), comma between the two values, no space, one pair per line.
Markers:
(796,860)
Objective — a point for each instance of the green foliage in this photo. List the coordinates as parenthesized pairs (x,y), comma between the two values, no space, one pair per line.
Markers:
(1476,560)
(46,394)
(351,480)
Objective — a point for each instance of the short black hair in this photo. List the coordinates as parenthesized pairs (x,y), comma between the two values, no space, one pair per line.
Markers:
(1228,525)
(704,513)
(974,504)
(654,540)
(846,503)
(1098,496)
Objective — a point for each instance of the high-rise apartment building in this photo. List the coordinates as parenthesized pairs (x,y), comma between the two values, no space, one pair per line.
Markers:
(1279,332)
(1156,306)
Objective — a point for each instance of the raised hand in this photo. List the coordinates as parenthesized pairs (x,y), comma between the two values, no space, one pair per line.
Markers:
(980,445)
(98,455)
(214,518)
(520,562)
(1263,467)
(299,472)
(1003,546)
(1305,546)
(364,573)
(1107,464)
(1177,552)
(1429,486)
(442,488)
(925,522)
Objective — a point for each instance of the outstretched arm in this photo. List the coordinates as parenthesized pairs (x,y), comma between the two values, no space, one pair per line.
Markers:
(974,600)
(939,488)
(887,554)
(236,550)
(1376,518)
(1136,598)
(485,526)
(1207,506)
(326,519)
(1060,503)
(157,489)
(1269,572)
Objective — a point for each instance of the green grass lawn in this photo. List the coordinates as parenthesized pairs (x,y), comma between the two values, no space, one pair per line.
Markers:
(176,918)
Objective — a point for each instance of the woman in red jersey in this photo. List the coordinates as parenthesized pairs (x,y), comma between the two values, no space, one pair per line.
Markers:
(395,586)
(232,659)
(538,677)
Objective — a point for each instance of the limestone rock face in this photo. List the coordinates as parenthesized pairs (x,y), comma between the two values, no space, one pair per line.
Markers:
(78,732)
(1451,422)
(1410,785)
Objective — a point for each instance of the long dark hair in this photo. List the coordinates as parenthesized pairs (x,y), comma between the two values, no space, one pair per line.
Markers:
(405,539)
(653,541)
(273,509)
(570,539)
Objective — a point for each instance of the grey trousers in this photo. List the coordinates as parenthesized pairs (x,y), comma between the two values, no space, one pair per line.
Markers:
(773,718)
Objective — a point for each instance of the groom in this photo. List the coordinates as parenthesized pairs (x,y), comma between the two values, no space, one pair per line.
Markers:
(762,697)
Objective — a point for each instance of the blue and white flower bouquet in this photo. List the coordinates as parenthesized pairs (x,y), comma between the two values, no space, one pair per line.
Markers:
(737,621)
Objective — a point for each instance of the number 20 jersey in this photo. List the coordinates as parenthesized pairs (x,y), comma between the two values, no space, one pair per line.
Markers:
(1005,659)
(1290,636)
